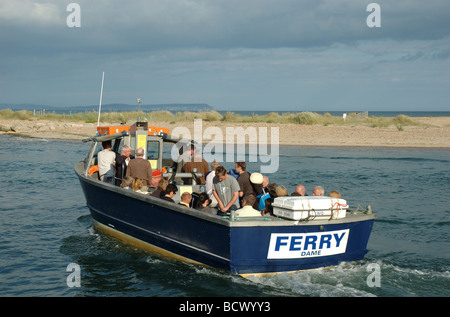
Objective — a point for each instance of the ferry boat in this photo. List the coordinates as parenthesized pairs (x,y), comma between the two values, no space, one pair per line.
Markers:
(303,232)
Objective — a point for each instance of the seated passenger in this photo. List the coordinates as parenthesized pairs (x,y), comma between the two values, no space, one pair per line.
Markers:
(185,199)
(138,186)
(156,178)
(268,209)
(334,194)
(300,190)
(127,183)
(262,200)
(203,202)
(318,191)
(247,210)
(281,191)
(265,184)
(160,188)
(168,194)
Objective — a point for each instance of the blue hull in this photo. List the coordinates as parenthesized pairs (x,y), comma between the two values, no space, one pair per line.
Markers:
(250,247)
(242,246)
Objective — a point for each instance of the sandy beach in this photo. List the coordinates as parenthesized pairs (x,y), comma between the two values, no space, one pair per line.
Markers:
(434,133)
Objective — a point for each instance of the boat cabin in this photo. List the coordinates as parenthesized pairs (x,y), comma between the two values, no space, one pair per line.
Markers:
(159,148)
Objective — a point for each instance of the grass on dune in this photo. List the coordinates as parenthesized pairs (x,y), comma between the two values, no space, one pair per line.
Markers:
(303,118)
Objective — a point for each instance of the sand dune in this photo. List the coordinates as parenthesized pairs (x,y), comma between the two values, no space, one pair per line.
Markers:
(435,133)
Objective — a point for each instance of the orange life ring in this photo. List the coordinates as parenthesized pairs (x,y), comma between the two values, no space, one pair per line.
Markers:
(93,169)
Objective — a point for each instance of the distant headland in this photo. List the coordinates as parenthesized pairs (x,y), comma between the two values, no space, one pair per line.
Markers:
(118,107)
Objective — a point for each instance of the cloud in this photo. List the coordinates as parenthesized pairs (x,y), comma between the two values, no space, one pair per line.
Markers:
(231,52)
(261,23)
(147,25)
(29,12)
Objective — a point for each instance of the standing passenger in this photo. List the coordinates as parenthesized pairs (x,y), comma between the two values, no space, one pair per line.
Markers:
(140,168)
(122,161)
(243,179)
(226,191)
(200,164)
(209,183)
(210,176)
(106,160)
(256,180)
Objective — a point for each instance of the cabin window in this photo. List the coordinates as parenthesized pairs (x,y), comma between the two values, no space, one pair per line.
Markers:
(152,150)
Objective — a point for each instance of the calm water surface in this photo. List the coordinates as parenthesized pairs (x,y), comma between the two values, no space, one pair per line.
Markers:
(45,225)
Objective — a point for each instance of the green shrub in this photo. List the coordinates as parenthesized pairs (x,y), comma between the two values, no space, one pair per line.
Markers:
(307,118)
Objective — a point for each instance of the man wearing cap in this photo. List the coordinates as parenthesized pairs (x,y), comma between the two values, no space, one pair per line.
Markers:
(257,180)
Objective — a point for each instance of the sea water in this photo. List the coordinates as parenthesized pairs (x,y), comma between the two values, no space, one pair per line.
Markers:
(45,226)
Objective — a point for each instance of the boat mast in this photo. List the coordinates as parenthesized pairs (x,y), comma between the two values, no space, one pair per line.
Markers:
(100,104)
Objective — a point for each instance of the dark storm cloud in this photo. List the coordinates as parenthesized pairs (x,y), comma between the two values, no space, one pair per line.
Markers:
(166,24)
(227,51)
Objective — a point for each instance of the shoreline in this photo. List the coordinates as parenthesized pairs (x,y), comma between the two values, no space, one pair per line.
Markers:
(434,132)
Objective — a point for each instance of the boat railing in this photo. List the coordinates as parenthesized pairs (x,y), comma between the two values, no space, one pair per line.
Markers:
(360,210)
(88,161)
(170,175)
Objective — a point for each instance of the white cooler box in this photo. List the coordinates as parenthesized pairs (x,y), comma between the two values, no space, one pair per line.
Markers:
(309,207)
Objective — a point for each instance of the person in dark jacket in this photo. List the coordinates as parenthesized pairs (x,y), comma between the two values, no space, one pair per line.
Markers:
(122,161)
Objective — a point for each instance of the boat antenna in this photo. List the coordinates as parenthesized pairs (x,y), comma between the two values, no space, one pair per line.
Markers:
(139,109)
(100,104)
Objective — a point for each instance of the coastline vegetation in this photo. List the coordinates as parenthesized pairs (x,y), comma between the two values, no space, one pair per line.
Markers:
(303,118)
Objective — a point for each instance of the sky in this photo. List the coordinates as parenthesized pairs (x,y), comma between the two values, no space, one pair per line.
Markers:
(270,55)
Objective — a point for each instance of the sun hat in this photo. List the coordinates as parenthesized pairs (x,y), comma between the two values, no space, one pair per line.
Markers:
(256,178)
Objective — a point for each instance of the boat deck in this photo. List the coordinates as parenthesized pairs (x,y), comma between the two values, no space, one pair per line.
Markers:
(225,220)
